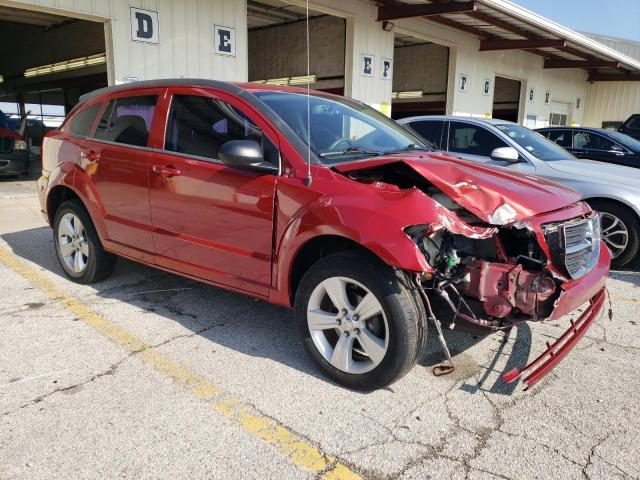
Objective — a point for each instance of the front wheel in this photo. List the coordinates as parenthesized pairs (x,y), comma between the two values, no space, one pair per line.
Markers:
(620,231)
(358,320)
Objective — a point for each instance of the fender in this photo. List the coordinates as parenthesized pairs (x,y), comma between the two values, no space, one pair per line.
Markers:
(370,217)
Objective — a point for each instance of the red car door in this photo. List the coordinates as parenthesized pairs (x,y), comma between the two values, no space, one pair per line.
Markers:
(212,221)
(117,160)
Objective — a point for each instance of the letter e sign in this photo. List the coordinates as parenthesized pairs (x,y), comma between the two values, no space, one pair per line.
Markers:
(367,65)
(144,25)
(224,40)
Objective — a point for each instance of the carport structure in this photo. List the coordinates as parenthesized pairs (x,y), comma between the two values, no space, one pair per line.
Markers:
(492,50)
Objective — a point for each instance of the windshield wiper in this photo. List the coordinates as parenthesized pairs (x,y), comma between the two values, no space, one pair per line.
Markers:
(409,148)
(350,150)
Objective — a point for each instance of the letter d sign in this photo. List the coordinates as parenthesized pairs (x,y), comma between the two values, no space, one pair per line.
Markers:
(144,25)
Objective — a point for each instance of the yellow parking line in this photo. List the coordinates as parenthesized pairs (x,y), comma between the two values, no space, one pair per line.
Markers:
(615,298)
(300,452)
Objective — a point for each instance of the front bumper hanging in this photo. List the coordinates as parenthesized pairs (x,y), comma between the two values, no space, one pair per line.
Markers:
(555,352)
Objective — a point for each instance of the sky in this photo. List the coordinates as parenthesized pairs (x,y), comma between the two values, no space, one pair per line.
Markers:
(618,18)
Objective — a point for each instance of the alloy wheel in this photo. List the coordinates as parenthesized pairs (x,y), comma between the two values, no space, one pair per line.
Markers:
(72,243)
(348,325)
(614,233)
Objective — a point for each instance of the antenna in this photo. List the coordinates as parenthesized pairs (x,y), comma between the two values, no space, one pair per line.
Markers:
(308,179)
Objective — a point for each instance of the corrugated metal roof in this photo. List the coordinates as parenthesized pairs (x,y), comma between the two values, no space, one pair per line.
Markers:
(504,20)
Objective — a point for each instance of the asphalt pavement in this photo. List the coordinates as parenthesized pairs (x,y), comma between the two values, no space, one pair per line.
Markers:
(150,375)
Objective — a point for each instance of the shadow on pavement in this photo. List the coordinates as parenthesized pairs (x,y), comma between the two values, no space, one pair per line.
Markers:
(251,326)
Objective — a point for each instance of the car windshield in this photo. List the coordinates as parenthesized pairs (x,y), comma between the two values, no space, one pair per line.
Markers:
(625,140)
(341,129)
(534,143)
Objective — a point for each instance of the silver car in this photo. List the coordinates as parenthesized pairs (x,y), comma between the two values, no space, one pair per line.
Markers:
(613,190)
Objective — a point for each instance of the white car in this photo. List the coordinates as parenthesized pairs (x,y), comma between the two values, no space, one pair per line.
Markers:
(613,190)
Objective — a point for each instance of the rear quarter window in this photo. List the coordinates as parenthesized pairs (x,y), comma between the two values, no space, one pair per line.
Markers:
(83,120)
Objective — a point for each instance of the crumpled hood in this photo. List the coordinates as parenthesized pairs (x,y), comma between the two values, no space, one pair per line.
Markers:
(478,188)
(592,170)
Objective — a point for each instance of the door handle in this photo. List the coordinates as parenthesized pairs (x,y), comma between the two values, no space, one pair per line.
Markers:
(90,155)
(166,171)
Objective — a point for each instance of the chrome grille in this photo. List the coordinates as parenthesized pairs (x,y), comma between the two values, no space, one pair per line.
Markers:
(575,245)
(6,144)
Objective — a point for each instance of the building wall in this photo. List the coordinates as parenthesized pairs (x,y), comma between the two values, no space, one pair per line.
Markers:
(186,38)
(611,102)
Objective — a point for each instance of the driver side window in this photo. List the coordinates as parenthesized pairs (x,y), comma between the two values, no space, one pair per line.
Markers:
(472,140)
(199,126)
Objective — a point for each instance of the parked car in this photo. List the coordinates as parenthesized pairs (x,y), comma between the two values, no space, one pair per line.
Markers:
(350,220)
(631,126)
(610,189)
(596,144)
(14,150)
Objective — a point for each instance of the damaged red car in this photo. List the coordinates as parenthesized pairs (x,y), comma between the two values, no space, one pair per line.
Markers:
(322,204)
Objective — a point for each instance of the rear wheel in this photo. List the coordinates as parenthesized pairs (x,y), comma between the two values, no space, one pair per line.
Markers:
(359,321)
(620,231)
(77,245)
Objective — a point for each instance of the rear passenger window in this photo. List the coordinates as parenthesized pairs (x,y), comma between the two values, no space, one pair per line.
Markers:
(128,120)
(431,131)
(201,125)
(561,137)
(82,121)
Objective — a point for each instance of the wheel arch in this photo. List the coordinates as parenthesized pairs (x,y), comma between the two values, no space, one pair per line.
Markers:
(56,197)
(316,248)
(615,201)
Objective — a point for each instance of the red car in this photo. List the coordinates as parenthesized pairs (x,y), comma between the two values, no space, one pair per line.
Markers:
(348,219)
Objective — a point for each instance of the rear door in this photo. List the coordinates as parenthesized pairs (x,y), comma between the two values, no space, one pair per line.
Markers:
(117,159)
(212,221)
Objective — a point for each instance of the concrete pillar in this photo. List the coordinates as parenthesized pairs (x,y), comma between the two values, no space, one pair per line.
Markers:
(367,42)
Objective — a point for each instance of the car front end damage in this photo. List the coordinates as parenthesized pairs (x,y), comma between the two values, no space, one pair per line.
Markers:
(541,269)
(493,264)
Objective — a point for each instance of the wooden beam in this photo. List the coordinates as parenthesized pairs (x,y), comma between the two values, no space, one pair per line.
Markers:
(487,45)
(460,26)
(580,64)
(423,10)
(613,77)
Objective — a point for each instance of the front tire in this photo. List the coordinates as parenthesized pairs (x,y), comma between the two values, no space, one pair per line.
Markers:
(78,246)
(359,321)
(620,231)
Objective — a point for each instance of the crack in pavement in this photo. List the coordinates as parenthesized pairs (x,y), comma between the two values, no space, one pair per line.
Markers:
(112,368)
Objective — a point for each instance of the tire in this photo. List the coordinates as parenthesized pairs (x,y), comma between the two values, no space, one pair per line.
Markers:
(401,314)
(95,263)
(610,211)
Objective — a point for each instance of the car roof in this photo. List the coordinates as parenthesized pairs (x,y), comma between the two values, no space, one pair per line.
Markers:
(490,121)
(232,87)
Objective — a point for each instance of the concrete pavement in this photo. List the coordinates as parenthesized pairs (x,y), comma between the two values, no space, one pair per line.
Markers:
(218,386)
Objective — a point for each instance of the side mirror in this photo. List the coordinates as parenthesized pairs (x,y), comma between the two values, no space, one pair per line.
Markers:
(245,154)
(506,154)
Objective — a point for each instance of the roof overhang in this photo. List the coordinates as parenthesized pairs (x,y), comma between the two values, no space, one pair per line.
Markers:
(502,25)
